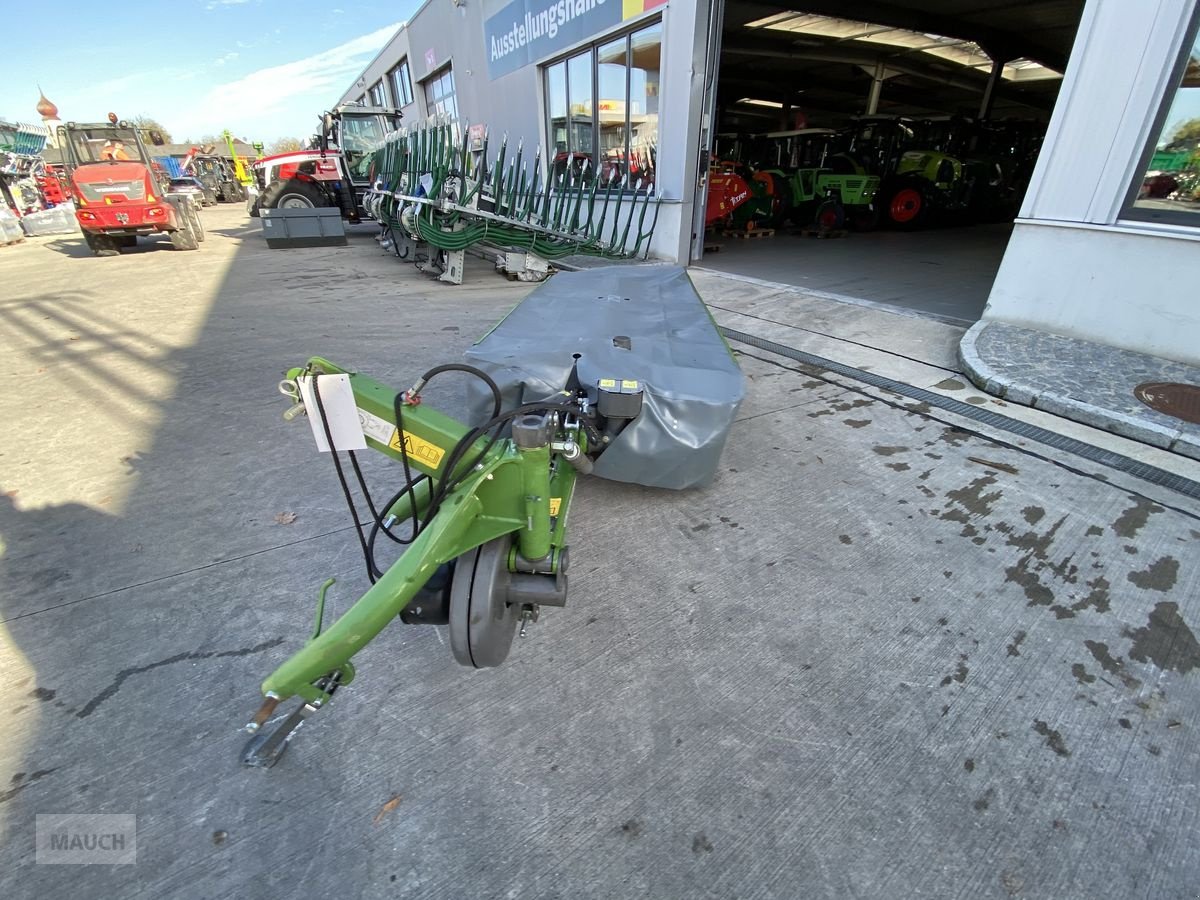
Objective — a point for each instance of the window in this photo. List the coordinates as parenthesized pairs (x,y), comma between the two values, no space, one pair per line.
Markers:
(357,137)
(378,97)
(402,89)
(602,109)
(439,95)
(1168,187)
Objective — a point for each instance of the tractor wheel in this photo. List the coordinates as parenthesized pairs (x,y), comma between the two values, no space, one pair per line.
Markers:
(864,218)
(196,223)
(782,207)
(184,238)
(830,215)
(102,244)
(906,207)
(292,194)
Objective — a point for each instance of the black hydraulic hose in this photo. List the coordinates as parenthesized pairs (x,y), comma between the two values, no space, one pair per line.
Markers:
(380,526)
(409,481)
(470,370)
(460,449)
(337,464)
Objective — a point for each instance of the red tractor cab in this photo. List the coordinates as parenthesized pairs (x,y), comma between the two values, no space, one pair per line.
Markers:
(118,197)
(334,172)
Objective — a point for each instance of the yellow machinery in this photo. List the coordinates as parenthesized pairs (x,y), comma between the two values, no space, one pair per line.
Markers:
(240,170)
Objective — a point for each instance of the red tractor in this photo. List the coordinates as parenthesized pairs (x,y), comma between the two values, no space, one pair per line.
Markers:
(117,195)
(333,173)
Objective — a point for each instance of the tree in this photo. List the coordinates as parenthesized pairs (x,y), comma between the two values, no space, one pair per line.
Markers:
(284,145)
(1188,130)
(149,127)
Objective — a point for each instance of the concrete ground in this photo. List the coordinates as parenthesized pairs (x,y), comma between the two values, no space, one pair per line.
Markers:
(888,653)
(945,272)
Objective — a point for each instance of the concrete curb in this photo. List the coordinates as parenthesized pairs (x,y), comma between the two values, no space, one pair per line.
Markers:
(994,381)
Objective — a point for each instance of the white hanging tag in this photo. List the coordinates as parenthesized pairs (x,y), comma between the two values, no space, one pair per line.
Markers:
(337,397)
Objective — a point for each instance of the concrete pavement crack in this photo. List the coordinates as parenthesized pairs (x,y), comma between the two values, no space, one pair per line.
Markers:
(125,674)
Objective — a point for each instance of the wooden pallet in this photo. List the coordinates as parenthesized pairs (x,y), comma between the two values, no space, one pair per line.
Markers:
(756,233)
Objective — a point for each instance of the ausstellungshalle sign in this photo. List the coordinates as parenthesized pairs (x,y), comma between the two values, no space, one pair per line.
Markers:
(526,30)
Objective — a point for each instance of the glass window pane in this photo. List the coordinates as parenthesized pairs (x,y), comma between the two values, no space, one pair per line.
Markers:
(439,96)
(556,106)
(401,84)
(645,51)
(1169,189)
(612,108)
(580,95)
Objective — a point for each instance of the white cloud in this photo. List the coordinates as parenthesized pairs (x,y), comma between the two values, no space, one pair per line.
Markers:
(228,57)
(260,99)
(214,4)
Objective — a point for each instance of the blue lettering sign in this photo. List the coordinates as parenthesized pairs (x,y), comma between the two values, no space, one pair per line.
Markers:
(527,30)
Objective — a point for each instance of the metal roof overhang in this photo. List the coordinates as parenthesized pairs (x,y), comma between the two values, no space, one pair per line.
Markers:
(832,74)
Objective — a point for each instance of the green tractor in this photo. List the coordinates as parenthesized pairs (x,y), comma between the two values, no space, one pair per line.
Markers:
(925,175)
(793,168)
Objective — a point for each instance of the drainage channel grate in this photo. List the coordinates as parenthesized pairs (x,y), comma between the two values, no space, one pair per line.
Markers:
(1152,474)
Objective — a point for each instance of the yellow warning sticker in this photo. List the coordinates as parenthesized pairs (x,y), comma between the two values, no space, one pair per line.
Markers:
(627,385)
(608,382)
(555,505)
(418,448)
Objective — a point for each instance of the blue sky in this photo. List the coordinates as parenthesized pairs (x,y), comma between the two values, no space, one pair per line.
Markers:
(264,69)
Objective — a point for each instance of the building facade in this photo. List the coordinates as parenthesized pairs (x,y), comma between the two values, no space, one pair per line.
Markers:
(631,85)
(1093,255)
(612,80)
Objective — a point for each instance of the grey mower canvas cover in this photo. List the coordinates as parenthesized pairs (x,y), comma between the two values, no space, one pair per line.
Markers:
(691,384)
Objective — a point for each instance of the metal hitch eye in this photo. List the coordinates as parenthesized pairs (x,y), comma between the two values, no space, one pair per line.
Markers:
(289,388)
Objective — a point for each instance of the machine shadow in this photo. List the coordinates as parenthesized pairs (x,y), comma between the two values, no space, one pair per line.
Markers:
(141,624)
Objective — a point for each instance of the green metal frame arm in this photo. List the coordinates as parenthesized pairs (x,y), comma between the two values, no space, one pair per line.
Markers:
(462,523)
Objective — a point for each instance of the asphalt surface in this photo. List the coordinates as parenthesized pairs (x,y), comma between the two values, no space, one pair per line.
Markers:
(888,653)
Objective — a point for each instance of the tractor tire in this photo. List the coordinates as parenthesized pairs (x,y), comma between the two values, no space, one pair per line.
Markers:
(906,206)
(864,218)
(293,194)
(102,244)
(782,208)
(830,215)
(196,223)
(184,238)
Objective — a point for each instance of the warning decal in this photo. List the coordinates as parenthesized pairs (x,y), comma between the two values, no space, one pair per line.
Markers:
(555,505)
(418,448)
